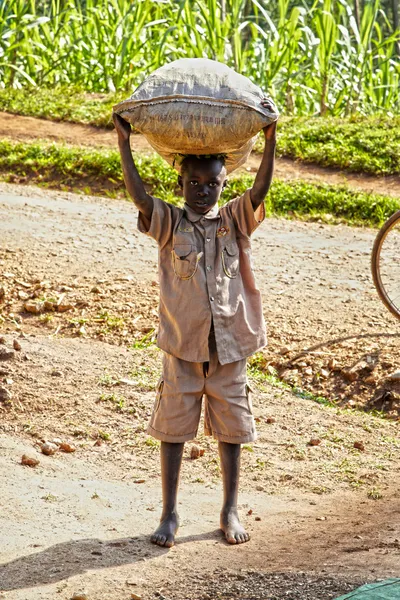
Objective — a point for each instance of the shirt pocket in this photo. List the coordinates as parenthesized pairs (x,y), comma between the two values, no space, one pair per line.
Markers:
(230,259)
(185,260)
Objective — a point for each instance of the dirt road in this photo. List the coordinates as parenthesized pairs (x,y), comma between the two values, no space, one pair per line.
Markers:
(327,515)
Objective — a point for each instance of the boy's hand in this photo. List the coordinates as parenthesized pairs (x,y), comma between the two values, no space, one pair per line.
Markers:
(122,127)
(270,131)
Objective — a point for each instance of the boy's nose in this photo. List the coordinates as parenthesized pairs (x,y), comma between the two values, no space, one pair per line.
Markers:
(202,193)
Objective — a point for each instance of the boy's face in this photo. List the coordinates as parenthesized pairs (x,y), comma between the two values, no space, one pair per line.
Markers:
(202,182)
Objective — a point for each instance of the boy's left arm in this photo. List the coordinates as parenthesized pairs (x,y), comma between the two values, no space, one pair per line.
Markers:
(263,178)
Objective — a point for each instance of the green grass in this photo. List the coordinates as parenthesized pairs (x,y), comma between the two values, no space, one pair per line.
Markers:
(99,171)
(369,144)
(359,144)
(61,104)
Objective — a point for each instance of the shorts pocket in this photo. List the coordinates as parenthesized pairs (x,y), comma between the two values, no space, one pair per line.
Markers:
(249,392)
(230,260)
(160,387)
(185,260)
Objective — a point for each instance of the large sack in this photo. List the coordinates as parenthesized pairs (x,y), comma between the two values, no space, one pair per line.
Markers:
(198,106)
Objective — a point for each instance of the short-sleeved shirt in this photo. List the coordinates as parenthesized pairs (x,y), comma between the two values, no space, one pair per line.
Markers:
(206,277)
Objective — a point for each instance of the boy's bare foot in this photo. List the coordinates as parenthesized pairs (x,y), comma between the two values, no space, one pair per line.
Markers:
(234,531)
(165,533)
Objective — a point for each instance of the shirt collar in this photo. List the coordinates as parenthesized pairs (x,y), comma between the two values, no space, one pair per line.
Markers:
(193,216)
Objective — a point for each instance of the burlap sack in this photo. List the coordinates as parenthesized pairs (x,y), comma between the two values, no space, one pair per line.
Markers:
(198,106)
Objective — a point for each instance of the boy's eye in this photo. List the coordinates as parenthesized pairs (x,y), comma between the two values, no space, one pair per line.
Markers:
(213,184)
(193,183)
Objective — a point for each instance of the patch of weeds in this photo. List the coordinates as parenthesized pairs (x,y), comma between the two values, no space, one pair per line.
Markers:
(298,454)
(391,441)
(152,443)
(108,380)
(46,318)
(256,370)
(95,496)
(319,489)
(118,401)
(374,494)
(248,448)
(198,480)
(111,322)
(79,321)
(333,437)
(50,498)
(104,435)
(145,342)
(146,377)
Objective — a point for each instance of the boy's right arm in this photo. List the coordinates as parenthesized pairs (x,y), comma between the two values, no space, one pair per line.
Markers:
(143,201)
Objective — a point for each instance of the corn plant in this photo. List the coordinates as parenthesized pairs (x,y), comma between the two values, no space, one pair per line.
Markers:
(313,56)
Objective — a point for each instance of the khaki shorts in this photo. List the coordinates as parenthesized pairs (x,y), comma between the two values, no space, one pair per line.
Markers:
(228,413)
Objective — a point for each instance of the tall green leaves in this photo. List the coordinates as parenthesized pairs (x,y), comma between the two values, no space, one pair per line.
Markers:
(309,54)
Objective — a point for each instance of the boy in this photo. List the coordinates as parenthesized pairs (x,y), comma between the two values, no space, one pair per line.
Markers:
(210,318)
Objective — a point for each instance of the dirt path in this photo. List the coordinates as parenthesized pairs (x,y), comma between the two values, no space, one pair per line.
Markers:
(322,517)
(28,128)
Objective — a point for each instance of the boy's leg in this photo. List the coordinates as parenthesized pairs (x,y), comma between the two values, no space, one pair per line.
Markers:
(230,466)
(171,460)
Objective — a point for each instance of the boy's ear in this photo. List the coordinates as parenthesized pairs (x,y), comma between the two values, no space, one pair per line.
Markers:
(180,181)
(225,184)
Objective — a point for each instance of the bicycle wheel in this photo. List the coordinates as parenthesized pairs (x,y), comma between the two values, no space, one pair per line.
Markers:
(385,264)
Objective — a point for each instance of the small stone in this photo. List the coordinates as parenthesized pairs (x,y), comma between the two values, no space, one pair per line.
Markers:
(259,488)
(17,345)
(136,597)
(332,364)
(285,350)
(56,373)
(250,512)
(96,290)
(64,306)
(359,446)
(139,481)
(371,380)
(270,420)
(196,452)
(48,448)
(28,461)
(68,448)
(394,376)
(257,519)
(79,596)
(6,354)
(324,373)
(5,394)
(2,292)
(321,518)
(349,374)
(23,295)
(34,307)
(308,371)
(3,340)
(314,442)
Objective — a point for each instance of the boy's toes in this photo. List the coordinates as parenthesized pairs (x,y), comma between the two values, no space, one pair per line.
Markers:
(170,541)
(230,538)
(159,540)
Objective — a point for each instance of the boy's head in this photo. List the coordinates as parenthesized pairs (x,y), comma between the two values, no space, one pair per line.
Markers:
(202,181)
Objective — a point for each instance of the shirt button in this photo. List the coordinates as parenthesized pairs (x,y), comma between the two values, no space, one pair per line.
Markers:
(212,298)
(208,240)
(209,268)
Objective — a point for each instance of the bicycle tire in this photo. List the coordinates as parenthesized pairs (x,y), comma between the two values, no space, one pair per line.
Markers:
(375,267)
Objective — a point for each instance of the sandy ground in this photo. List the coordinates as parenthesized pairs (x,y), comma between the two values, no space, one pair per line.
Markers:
(28,128)
(323,518)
